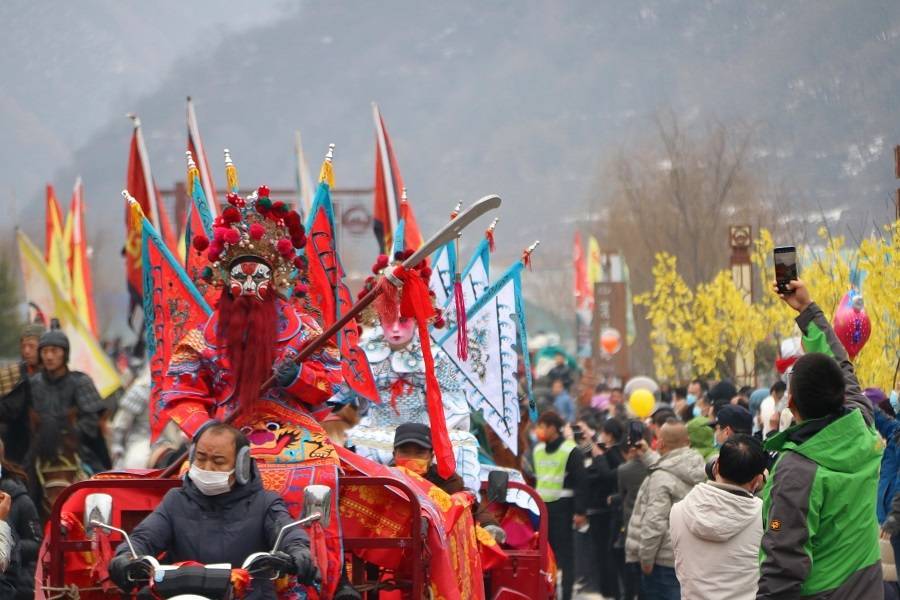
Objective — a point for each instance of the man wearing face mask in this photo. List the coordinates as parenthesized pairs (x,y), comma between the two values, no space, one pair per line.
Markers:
(731,419)
(719,523)
(218,368)
(559,469)
(221,514)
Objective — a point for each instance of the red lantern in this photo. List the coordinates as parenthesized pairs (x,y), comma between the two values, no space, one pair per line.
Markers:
(610,340)
(851,323)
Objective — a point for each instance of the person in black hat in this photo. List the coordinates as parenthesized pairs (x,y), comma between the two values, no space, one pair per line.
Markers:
(57,393)
(413,450)
(731,419)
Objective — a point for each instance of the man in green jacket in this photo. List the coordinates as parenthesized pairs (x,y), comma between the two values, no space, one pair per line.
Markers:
(821,533)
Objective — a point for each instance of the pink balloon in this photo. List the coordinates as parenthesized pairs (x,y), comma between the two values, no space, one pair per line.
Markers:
(851,323)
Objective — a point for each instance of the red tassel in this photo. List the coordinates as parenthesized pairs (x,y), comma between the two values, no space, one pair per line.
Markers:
(415,302)
(526,259)
(398,388)
(462,336)
(489,234)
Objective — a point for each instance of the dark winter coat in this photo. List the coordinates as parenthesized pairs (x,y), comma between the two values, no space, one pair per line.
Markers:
(889,477)
(15,428)
(227,528)
(600,479)
(26,525)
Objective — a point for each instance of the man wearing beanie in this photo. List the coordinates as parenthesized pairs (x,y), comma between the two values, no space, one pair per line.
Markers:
(15,394)
(57,393)
(819,505)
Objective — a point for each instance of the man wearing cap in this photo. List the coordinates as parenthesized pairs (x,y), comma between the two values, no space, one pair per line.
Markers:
(413,451)
(731,419)
(57,393)
(15,394)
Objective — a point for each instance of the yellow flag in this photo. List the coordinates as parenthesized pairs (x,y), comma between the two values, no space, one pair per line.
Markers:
(594,269)
(82,276)
(57,255)
(41,289)
(326,173)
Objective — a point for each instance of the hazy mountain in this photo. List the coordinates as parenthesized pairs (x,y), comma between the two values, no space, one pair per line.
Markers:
(521,98)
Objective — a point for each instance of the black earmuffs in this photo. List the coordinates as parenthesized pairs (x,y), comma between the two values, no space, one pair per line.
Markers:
(243,464)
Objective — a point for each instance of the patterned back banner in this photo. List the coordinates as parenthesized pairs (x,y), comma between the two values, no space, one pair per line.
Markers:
(172,307)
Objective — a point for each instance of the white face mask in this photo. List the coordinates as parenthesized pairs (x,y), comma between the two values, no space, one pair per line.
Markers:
(211,483)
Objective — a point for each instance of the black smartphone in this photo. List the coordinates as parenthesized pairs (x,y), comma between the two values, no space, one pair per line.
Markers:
(785,268)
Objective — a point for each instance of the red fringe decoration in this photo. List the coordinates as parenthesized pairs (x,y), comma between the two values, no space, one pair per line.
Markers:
(398,388)
(489,234)
(526,259)
(387,303)
(462,335)
(415,302)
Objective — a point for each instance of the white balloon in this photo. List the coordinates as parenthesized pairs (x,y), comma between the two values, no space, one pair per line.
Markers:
(641,382)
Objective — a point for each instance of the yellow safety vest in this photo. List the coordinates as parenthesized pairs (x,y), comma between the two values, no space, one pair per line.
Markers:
(550,470)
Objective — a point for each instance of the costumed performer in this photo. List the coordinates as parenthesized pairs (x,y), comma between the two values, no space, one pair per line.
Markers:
(217,370)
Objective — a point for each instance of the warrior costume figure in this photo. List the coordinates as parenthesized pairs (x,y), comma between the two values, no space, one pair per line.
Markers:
(394,352)
(218,370)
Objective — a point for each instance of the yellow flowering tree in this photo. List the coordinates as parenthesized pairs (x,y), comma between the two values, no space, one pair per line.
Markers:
(669,312)
(696,332)
(879,259)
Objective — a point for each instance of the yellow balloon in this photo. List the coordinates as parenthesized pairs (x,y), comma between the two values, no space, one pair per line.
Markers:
(642,403)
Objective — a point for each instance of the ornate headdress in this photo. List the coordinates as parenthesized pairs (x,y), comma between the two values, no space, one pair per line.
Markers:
(388,302)
(254,227)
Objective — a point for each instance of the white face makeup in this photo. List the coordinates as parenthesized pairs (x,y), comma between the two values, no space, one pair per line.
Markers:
(250,279)
(399,333)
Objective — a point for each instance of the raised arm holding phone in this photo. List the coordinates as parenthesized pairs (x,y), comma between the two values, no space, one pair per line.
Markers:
(821,533)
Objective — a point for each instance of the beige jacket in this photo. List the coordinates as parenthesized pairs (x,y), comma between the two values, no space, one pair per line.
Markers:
(670,479)
(717,524)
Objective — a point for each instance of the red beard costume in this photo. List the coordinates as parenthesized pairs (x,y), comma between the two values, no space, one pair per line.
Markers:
(249,327)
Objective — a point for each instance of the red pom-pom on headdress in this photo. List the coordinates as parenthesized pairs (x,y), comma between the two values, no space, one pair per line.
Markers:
(215,251)
(232,236)
(200,243)
(231,215)
(256,231)
(381,263)
(292,219)
(262,191)
(284,247)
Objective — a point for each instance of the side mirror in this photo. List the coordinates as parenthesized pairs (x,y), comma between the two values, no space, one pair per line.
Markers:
(117,530)
(97,508)
(498,484)
(317,499)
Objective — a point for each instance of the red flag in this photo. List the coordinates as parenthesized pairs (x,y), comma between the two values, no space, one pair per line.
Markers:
(412,236)
(80,266)
(53,222)
(330,294)
(388,208)
(139,183)
(174,308)
(195,147)
(582,289)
